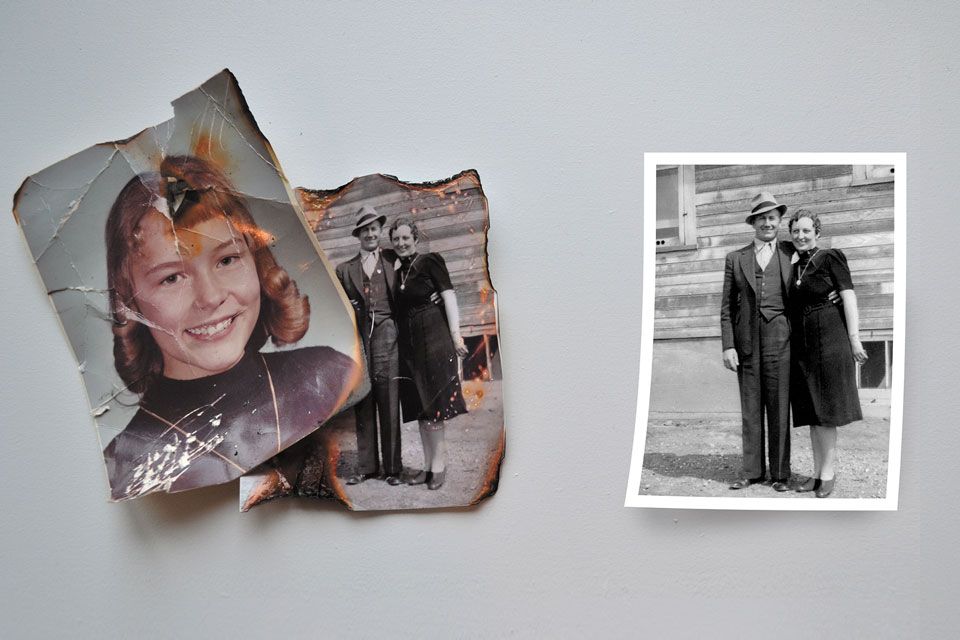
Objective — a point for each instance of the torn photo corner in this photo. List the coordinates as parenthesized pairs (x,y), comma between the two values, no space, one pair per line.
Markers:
(210,332)
(412,259)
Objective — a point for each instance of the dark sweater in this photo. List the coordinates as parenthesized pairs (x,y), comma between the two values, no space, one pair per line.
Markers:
(195,433)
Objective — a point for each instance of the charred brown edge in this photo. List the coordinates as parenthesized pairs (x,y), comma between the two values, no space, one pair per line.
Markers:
(330,472)
(491,480)
(408,185)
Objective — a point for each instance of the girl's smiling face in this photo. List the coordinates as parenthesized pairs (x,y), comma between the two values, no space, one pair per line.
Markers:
(404,242)
(197,291)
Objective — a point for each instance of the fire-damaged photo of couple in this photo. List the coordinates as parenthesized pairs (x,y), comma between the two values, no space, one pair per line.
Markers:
(411,259)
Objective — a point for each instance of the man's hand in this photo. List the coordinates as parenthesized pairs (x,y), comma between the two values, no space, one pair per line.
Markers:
(730,359)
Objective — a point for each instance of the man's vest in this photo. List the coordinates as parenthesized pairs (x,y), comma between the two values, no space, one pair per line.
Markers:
(375,294)
(769,288)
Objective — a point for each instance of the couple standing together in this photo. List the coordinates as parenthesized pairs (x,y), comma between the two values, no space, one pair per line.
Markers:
(789,328)
(408,319)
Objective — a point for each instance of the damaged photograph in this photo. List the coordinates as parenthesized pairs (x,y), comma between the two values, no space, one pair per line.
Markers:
(771,372)
(210,333)
(412,260)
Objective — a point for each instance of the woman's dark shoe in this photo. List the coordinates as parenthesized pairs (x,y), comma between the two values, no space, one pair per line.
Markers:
(421,478)
(826,488)
(812,484)
(437,480)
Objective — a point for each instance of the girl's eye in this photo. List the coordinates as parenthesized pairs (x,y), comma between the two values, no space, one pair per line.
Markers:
(173,278)
(226,261)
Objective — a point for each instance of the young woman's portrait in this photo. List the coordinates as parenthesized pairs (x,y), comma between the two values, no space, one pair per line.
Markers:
(195,293)
(207,326)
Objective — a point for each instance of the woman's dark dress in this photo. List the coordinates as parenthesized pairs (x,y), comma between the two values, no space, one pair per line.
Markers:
(430,382)
(195,433)
(823,382)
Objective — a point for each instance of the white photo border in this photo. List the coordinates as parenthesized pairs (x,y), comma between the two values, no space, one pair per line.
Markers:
(890,501)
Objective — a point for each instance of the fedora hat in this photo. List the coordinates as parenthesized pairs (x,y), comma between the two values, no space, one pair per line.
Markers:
(365,216)
(763,202)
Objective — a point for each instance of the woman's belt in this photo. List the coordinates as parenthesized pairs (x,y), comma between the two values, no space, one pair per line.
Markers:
(434,301)
(833,300)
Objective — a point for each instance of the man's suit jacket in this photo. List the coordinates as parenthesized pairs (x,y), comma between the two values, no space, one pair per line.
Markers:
(738,315)
(350,274)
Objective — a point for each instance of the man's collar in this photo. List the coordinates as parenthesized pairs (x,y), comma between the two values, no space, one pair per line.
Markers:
(758,244)
(364,253)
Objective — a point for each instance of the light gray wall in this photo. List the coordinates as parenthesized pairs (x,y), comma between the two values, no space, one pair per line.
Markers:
(554,105)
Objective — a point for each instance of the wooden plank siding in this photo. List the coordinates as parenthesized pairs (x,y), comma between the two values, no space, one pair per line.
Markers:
(453,220)
(859,219)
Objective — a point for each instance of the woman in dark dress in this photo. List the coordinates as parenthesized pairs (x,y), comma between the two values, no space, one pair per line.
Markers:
(825,348)
(430,344)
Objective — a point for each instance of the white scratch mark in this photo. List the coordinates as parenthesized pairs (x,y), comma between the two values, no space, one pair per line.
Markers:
(162,468)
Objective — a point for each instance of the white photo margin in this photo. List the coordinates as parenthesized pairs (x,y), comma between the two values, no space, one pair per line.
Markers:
(890,501)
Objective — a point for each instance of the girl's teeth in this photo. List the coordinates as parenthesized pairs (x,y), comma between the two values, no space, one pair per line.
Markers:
(211,329)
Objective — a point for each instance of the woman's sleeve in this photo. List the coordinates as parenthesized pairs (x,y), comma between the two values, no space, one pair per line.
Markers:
(437,270)
(839,271)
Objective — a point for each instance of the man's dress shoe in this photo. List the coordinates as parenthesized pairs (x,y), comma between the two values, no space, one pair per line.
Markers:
(357,478)
(743,483)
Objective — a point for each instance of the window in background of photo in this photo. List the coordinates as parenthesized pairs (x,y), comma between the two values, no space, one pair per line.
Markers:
(875,373)
(872,173)
(676,208)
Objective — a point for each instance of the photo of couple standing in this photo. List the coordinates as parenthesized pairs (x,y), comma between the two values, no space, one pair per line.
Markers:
(790,331)
(409,321)
(412,261)
(786,272)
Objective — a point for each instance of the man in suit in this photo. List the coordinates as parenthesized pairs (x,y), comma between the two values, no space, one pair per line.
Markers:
(368,280)
(755,334)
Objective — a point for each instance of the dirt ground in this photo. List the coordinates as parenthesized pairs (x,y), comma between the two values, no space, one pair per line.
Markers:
(473,445)
(701,458)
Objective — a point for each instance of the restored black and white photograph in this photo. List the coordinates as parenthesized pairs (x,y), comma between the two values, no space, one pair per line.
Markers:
(412,260)
(772,332)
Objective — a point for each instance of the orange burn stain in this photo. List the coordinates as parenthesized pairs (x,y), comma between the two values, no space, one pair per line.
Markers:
(205,146)
(492,476)
(330,470)
(473,393)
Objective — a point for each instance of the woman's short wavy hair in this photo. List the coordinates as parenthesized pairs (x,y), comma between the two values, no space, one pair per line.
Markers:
(405,220)
(284,313)
(805,213)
